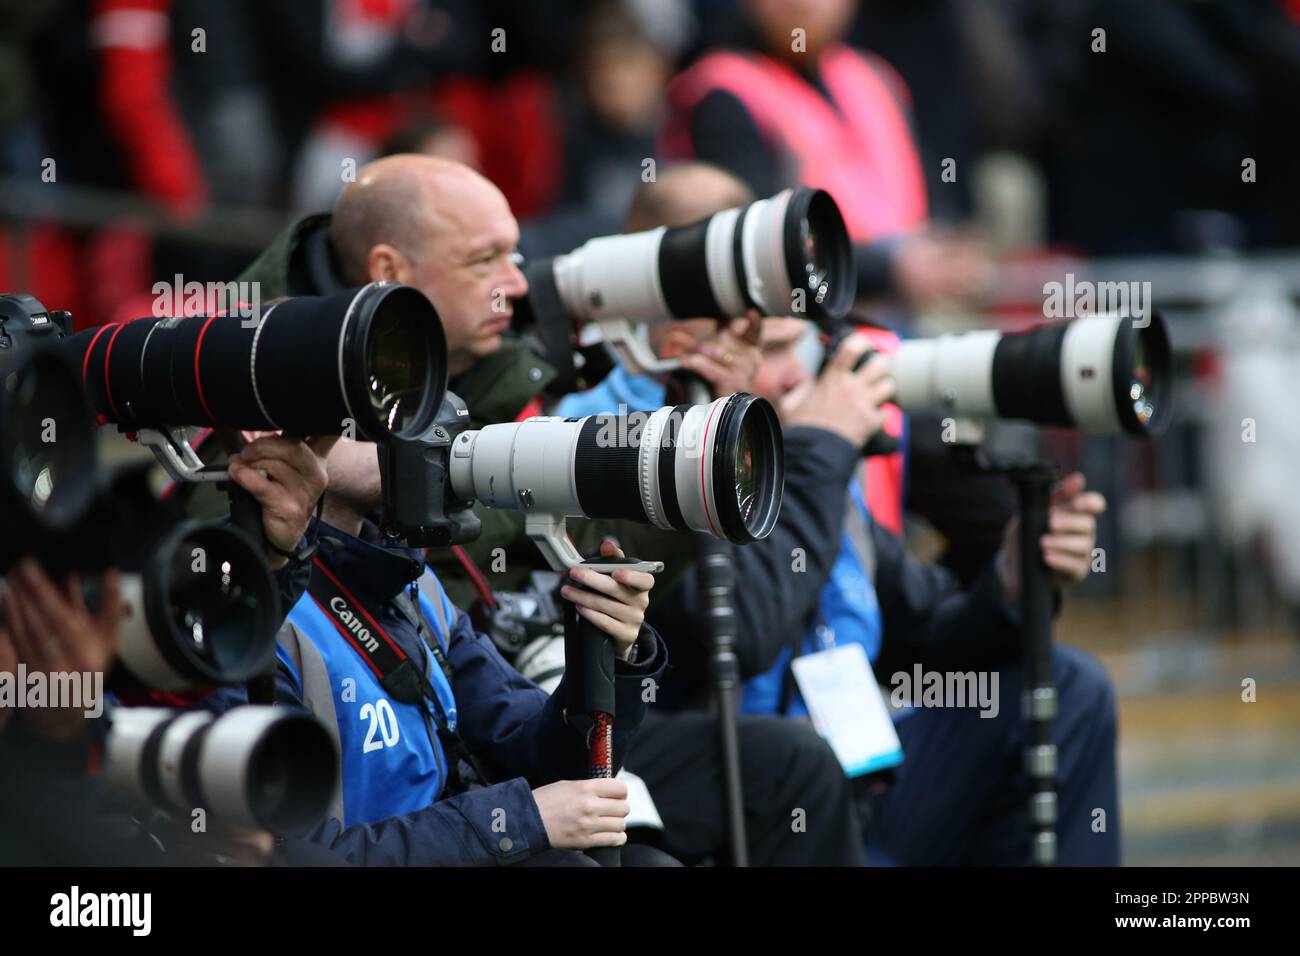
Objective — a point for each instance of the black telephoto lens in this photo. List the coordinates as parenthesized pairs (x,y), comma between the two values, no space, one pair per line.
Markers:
(202,610)
(47,450)
(375,357)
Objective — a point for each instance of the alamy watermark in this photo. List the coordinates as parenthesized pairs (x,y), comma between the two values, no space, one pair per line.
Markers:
(133,911)
(179,298)
(56,690)
(1073,299)
(623,430)
(921,688)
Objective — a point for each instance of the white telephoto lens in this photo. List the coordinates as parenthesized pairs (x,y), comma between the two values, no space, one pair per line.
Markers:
(613,277)
(1088,372)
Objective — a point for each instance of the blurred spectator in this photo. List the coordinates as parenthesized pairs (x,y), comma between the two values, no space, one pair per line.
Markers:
(347,73)
(610,112)
(160,97)
(20,78)
(1155,114)
(611,122)
(969,83)
(432,134)
(789,103)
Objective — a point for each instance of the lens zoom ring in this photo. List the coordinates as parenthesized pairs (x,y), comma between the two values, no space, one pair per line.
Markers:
(605,465)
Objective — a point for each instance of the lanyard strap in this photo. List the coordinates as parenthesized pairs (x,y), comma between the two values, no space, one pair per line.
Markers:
(402,678)
(409,605)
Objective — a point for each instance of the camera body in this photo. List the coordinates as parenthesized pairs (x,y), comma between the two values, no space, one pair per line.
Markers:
(201,606)
(420,506)
(25,321)
(521,618)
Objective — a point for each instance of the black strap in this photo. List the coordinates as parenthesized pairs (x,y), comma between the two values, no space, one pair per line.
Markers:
(409,605)
(360,629)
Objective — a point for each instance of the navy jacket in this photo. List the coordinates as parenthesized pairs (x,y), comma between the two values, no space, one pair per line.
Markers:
(927,616)
(512,727)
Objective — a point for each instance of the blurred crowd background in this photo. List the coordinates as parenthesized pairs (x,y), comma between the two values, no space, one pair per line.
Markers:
(1152,141)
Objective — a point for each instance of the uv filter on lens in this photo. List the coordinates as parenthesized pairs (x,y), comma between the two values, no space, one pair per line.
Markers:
(749,469)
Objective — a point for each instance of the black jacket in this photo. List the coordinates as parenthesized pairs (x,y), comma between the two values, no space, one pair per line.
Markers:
(926,615)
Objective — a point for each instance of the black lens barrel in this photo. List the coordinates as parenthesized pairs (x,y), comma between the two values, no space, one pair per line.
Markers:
(753,416)
(684,272)
(1027,376)
(818,210)
(606,474)
(303,367)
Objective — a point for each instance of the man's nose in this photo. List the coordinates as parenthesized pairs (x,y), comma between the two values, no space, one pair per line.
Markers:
(516,286)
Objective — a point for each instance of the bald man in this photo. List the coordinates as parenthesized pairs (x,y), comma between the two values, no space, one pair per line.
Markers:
(424,221)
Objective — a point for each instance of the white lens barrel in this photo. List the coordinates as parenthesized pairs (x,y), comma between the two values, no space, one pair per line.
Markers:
(219,777)
(129,731)
(763,249)
(530,466)
(226,762)
(950,373)
(137,648)
(614,277)
(523,466)
(720,254)
(1088,372)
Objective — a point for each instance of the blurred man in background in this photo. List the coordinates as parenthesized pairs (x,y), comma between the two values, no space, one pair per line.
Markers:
(792,104)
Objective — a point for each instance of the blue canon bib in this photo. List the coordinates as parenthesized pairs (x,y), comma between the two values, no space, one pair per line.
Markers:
(392,763)
(848,612)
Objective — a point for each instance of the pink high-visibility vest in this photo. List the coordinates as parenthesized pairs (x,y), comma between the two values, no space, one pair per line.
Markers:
(883,475)
(859,149)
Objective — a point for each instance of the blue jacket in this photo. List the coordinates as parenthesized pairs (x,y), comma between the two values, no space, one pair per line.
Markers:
(847,612)
(515,730)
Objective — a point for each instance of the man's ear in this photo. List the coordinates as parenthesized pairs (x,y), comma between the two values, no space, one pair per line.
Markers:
(387,263)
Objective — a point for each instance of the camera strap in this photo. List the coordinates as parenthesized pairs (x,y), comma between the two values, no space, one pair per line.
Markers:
(409,605)
(401,676)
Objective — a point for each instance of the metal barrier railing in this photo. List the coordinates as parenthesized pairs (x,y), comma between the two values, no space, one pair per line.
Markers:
(246,229)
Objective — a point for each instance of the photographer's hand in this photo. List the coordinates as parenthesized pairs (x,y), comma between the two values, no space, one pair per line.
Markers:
(615,603)
(729,360)
(53,632)
(581,814)
(1067,548)
(844,401)
(294,480)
